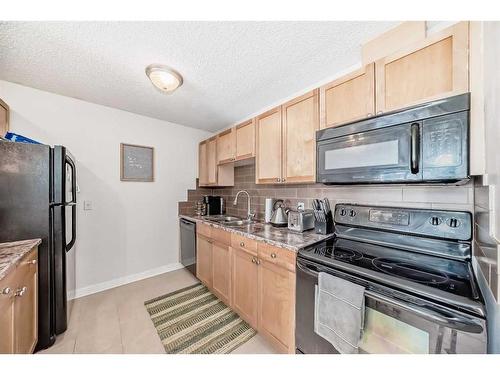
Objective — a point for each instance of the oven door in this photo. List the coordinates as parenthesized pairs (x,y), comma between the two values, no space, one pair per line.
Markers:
(395,322)
(386,155)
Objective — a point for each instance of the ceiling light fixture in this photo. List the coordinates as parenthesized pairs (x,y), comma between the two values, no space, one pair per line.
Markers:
(163,78)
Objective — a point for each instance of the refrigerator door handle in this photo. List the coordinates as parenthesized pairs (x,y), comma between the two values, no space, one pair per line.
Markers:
(72,203)
(70,245)
(73,178)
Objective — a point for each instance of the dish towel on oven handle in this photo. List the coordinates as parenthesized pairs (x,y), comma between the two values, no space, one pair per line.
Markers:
(339,312)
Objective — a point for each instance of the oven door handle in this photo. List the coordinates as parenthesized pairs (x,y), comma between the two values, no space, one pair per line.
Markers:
(450,320)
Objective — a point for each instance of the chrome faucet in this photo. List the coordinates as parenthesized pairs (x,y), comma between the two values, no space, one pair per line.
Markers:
(250,214)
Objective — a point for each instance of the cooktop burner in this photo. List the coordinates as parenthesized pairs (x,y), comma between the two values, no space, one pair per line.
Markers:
(340,254)
(410,270)
(449,275)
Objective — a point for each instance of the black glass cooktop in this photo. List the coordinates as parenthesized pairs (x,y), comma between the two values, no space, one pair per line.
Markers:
(452,276)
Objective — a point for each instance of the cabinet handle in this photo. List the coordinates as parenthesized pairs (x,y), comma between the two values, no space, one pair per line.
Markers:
(379,112)
(254,260)
(258,261)
(283,180)
(369,115)
(209,241)
(278,180)
(6,290)
(21,291)
(33,261)
(273,255)
(242,244)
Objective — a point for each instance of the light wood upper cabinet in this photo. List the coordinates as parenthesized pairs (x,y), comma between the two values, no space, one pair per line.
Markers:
(19,307)
(300,123)
(212,161)
(245,140)
(226,146)
(268,160)
(277,305)
(348,98)
(204,260)
(221,268)
(286,141)
(4,118)
(245,286)
(210,173)
(434,68)
(202,164)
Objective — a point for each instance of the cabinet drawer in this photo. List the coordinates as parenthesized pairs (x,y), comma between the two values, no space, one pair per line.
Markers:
(204,229)
(221,236)
(244,243)
(281,257)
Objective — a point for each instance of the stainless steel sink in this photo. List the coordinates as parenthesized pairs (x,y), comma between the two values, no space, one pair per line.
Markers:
(237,223)
(223,219)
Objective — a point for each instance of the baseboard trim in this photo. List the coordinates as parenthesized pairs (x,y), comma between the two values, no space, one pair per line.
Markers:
(96,288)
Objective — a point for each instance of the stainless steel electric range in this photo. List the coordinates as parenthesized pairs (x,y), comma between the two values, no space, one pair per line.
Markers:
(421,294)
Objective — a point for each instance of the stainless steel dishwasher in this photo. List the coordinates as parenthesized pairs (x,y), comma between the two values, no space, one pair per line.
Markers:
(188,244)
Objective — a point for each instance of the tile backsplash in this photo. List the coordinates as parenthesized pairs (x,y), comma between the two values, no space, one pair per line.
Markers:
(438,197)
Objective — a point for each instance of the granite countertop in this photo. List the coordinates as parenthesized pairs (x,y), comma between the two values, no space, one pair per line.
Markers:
(280,237)
(12,252)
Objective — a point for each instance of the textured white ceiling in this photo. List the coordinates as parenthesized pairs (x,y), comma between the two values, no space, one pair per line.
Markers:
(230,69)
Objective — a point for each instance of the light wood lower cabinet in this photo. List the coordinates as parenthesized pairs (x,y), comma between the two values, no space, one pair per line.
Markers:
(221,271)
(277,305)
(245,286)
(255,279)
(204,260)
(18,307)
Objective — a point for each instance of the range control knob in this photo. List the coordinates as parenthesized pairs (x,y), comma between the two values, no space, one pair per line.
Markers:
(343,212)
(453,223)
(352,213)
(435,220)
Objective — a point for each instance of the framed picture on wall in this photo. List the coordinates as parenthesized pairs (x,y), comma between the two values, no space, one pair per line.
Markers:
(136,163)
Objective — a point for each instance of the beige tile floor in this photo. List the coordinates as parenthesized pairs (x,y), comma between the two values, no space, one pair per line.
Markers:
(115,321)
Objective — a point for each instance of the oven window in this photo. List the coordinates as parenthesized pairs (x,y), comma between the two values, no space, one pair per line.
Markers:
(367,155)
(386,335)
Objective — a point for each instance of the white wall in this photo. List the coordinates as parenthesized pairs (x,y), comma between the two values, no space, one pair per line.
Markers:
(132,230)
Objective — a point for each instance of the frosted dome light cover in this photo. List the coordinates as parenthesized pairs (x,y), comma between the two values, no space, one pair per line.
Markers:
(164,78)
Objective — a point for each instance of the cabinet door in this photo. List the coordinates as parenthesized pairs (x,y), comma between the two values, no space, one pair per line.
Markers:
(204,260)
(221,266)
(268,139)
(7,290)
(202,164)
(432,69)
(25,305)
(212,161)
(277,305)
(4,118)
(349,98)
(226,146)
(245,287)
(300,123)
(245,140)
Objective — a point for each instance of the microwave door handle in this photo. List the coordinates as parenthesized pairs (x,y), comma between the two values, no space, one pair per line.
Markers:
(415,148)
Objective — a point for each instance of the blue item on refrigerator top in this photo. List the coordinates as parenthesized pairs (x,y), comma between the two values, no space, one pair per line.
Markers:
(20,139)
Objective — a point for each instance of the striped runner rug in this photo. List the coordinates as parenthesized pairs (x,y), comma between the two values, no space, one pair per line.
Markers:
(194,321)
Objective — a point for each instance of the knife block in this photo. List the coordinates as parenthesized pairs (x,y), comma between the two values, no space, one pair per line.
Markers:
(324,227)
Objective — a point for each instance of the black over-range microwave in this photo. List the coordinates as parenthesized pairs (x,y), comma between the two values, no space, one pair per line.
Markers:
(424,143)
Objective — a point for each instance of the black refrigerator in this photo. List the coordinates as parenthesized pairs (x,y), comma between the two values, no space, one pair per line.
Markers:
(38,200)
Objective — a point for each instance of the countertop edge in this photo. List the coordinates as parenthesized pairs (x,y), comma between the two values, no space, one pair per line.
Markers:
(254,236)
(11,254)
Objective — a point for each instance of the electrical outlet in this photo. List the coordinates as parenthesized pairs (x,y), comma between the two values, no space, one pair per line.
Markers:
(300,206)
(87,205)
